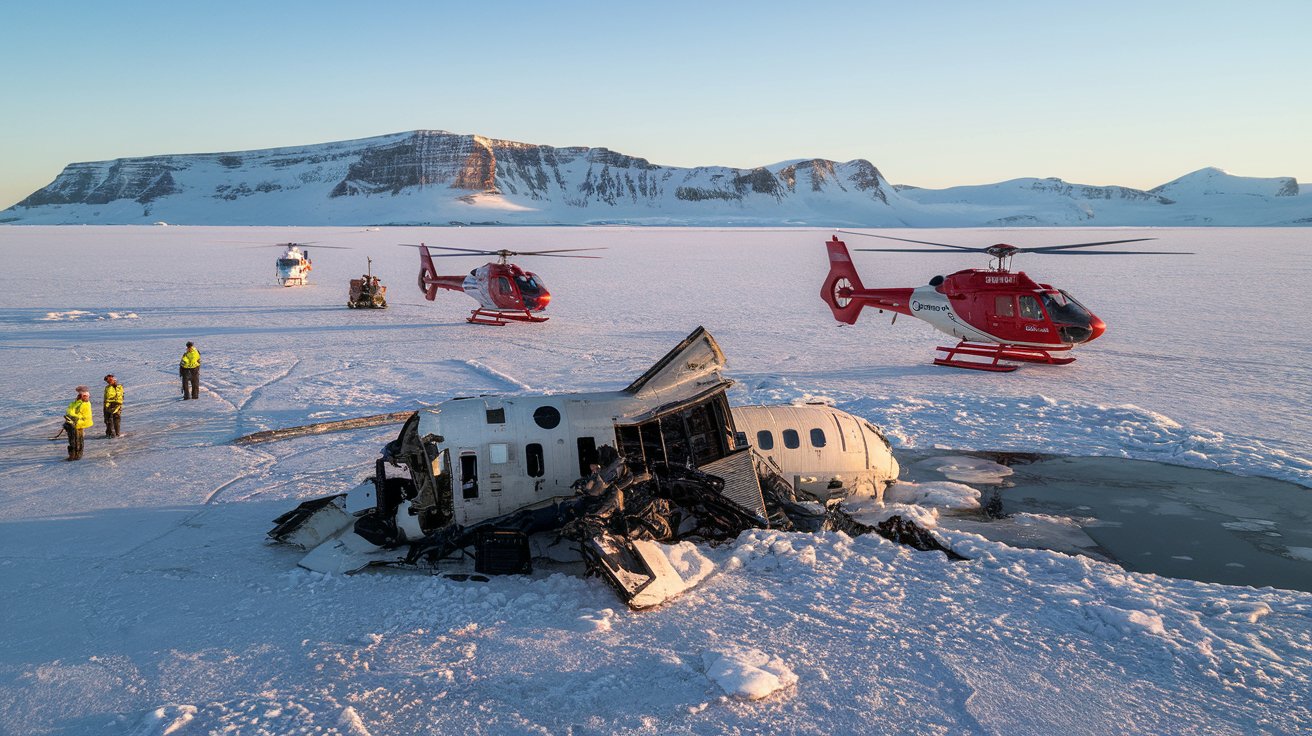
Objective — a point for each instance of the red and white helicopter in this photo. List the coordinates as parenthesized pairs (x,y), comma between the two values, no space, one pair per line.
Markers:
(504,292)
(997,314)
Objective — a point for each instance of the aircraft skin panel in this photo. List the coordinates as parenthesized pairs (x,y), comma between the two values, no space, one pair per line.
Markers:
(695,362)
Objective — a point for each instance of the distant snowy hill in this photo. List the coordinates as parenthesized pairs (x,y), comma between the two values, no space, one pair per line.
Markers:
(429,177)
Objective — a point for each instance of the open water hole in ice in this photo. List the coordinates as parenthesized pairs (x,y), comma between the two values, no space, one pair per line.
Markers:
(1170,520)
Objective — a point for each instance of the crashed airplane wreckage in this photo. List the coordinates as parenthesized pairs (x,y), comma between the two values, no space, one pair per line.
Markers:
(611,476)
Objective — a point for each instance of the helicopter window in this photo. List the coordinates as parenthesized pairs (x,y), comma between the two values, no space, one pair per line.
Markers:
(1065,309)
(498,453)
(546,417)
(534,460)
(496,416)
(791,440)
(817,437)
(469,475)
(1029,307)
(289,262)
(503,285)
(527,285)
(1004,306)
(765,439)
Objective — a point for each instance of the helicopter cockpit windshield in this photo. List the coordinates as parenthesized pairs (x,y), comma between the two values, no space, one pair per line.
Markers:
(1073,321)
(529,289)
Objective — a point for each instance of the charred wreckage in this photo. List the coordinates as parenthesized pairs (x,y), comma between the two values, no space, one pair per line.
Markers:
(611,477)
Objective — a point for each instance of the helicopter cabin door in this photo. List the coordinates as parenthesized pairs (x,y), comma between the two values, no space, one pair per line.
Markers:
(1002,320)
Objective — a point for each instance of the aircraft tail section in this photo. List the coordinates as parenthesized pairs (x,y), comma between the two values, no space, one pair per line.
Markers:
(841,283)
(427,274)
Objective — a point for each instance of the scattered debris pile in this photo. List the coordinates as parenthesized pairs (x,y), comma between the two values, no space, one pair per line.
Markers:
(621,518)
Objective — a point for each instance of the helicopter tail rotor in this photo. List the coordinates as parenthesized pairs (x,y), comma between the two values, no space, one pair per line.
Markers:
(841,283)
(427,274)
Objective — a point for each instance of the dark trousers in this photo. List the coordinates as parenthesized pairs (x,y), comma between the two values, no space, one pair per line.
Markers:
(190,376)
(74,441)
(113,413)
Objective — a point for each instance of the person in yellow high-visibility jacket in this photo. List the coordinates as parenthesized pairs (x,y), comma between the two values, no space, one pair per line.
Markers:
(189,369)
(113,406)
(76,421)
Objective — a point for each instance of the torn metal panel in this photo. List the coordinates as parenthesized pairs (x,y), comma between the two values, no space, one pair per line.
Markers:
(696,361)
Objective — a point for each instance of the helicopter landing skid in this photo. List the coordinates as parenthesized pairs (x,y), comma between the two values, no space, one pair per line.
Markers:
(494,317)
(997,353)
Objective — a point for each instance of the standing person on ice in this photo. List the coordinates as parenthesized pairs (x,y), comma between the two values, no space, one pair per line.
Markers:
(189,369)
(76,420)
(113,406)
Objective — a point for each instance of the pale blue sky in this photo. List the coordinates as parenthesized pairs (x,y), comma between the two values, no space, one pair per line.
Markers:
(933,93)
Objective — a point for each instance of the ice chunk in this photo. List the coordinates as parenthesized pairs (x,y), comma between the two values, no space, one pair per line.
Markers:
(967,469)
(749,674)
(164,720)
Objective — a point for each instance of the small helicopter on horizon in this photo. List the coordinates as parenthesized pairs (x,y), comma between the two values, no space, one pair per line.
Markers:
(996,314)
(504,291)
(293,267)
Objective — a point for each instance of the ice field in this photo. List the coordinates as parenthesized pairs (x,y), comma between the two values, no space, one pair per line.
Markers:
(142,599)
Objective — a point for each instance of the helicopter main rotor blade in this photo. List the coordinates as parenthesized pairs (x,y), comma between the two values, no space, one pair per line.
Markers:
(1054,248)
(912,250)
(447,247)
(334,247)
(557,250)
(1115,252)
(554,255)
(906,240)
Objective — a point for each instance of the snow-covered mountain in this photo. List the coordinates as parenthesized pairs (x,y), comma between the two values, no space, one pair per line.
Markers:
(435,177)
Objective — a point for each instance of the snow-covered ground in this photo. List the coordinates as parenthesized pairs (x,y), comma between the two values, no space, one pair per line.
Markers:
(140,597)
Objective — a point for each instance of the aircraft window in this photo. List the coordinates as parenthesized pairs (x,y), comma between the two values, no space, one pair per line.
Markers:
(587,447)
(496,416)
(765,440)
(1004,306)
(469,475)
(503,284)
(289,262)
(791,440)
(534,460)
(1029,307)
(817,437)
(1065,309)
(498,453)
(527,285)
(547,417)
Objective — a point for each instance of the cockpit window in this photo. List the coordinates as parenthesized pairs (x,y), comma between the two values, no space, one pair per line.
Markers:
(1064,309)
(528,286)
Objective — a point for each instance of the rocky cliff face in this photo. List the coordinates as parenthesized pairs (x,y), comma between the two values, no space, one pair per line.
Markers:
(435,177)
(379,180)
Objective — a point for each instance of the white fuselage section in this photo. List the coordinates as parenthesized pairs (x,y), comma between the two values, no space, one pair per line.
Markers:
(503,454)
(476,286)
(822,451)
(935,308)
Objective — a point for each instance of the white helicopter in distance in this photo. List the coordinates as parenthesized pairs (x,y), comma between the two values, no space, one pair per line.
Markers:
(293,267)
